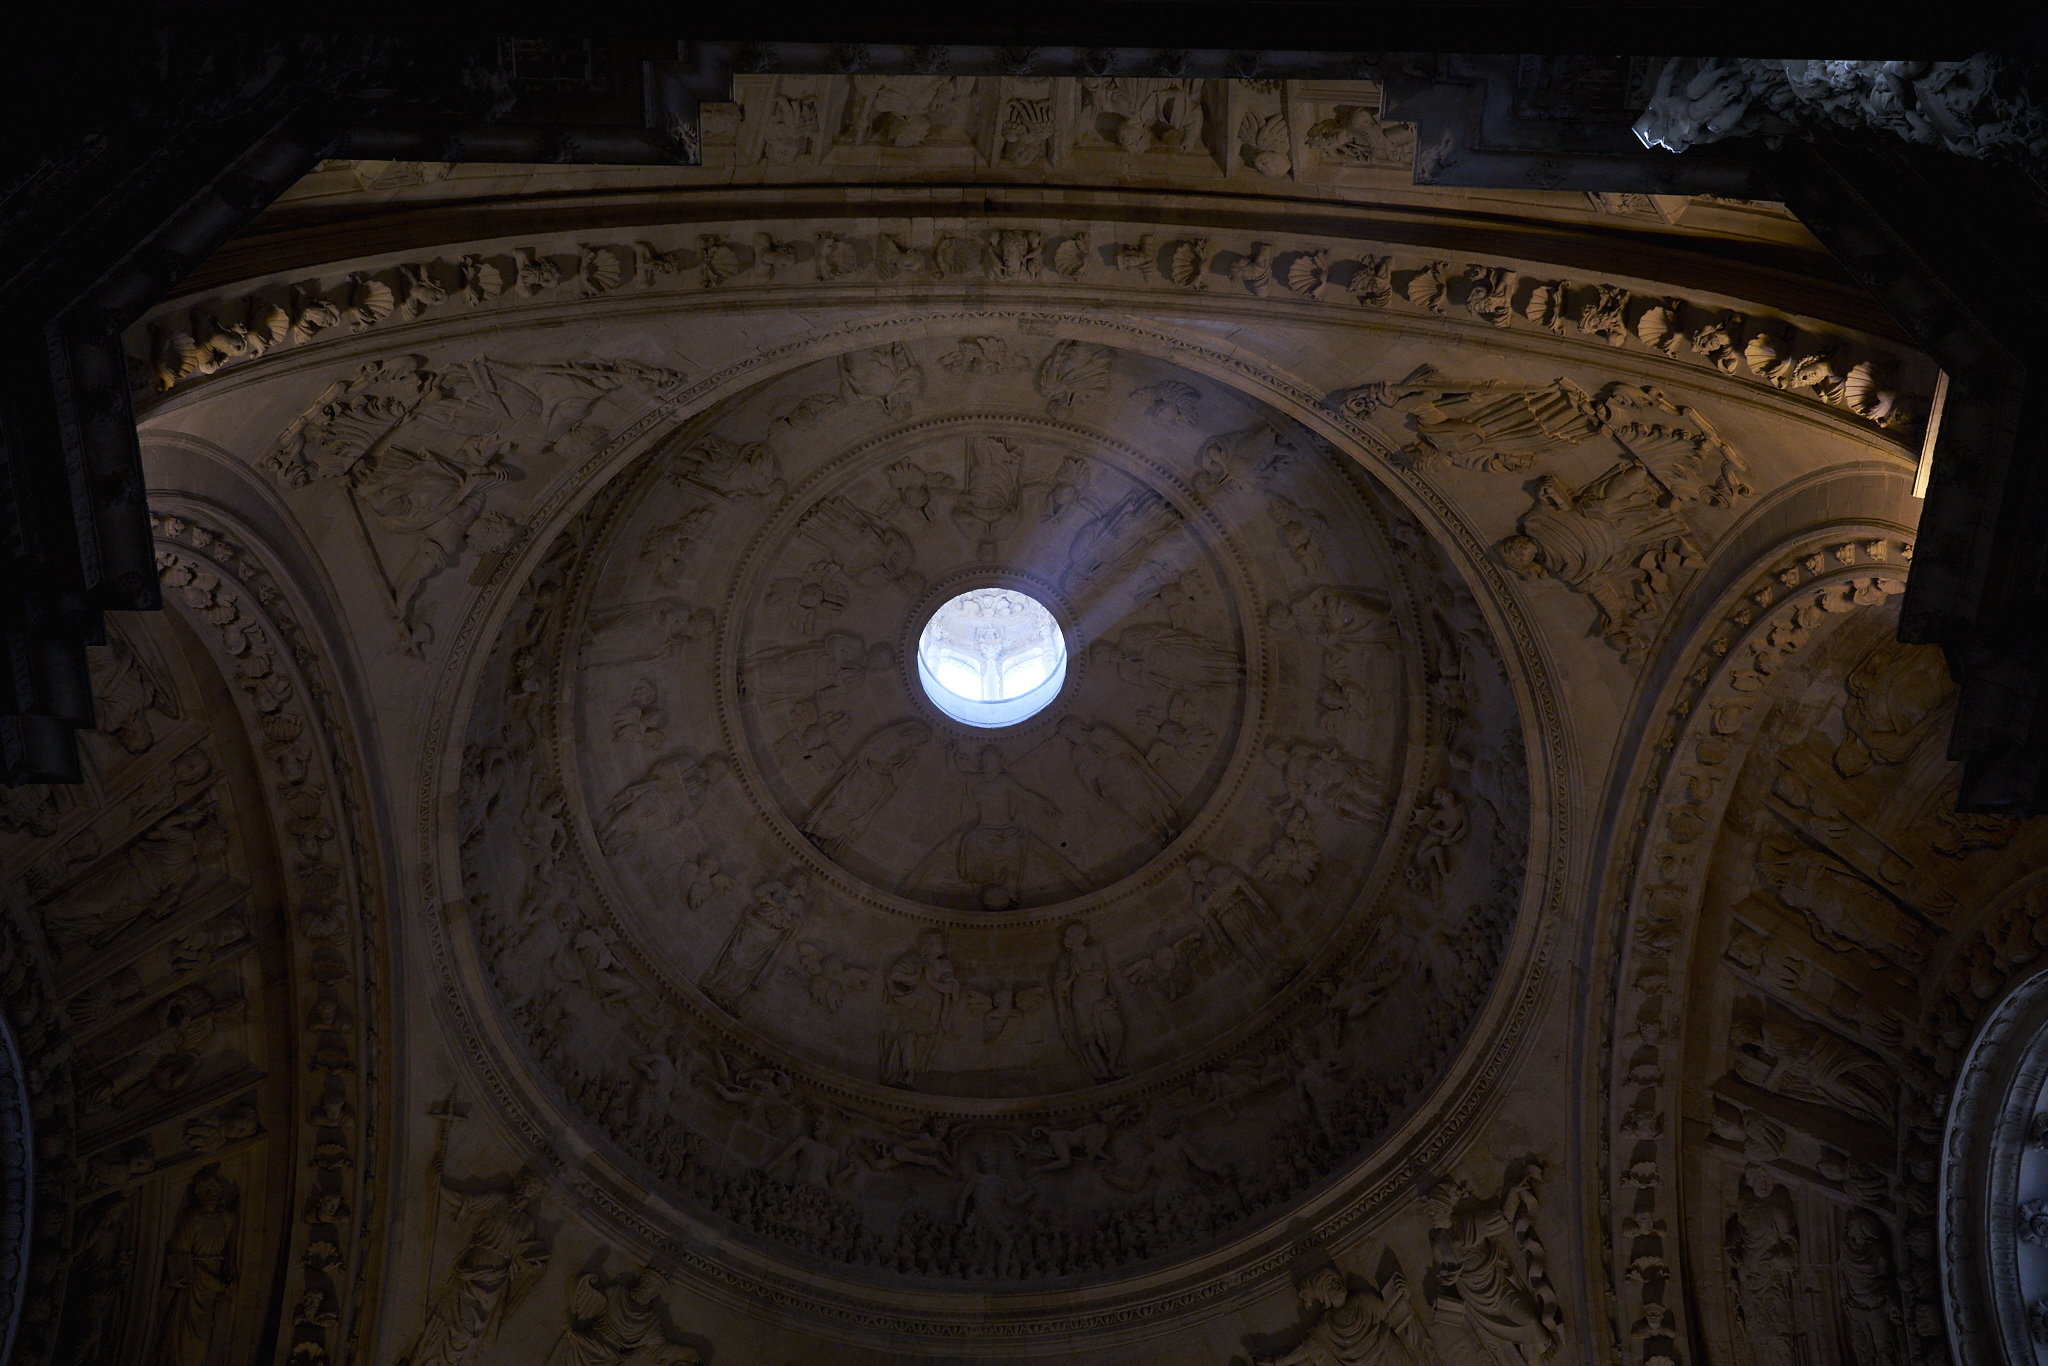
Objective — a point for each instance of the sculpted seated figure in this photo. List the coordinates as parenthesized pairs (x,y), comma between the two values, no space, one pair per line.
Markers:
(1367,1325)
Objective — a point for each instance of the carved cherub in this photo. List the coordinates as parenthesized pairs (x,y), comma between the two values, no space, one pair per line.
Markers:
(828,978)
(1143,257)
(1168,964)
(998,1006)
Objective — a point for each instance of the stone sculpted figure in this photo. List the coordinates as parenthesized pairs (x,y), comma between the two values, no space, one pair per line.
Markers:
(1117,772)
(1354,136)
(499,1262)
(199,1266)
(813,1155)
(1617,539)
(124,692)
(868,781)
(817,672)
(1479,424)
(151,875)
(1486,1279)
(1809,1064)
(991,496)
(433,497)
(1356,1325)
(922,993)
(761,930)
(867,548)
(1239,916)
(995,846)
(994,1201)
(1870,1300)
(618,1325)
(1443,822)
(887,375)
(1116,539)
(1084,1001)
(1159,655)
(1763,1260)
(671,793)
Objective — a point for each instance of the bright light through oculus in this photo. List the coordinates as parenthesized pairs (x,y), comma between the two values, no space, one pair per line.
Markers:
(992,657)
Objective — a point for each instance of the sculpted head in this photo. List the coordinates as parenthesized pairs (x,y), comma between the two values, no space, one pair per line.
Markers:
(1522,555)
(209,1190)
(528,1187)
(932,944)
(1074,936)
(1441,1201)
(1324,1289)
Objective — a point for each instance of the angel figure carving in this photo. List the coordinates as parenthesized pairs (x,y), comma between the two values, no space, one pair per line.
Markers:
(499,1263)
(1000,1006)
(1168,964)
(1117,772)
(828,978)
(866,784)
(1084,1001)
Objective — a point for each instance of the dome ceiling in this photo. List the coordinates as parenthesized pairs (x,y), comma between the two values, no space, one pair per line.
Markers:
(889,997)
(1411,559)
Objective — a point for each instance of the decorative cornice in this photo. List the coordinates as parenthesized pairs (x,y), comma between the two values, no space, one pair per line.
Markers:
(740,264)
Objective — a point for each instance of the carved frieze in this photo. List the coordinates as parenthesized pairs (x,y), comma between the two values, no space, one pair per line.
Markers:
(1849,373)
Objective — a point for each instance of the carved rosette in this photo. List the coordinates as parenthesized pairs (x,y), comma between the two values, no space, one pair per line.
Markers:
(886,998)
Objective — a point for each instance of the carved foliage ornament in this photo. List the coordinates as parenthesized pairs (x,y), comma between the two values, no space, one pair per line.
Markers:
(195,339)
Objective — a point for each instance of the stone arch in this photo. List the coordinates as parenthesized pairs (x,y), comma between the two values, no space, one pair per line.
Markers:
(202,906)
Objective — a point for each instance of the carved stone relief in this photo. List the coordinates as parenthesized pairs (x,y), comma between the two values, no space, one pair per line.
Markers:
(1801,858)
(202,986)
(1069,919)
(1628,538)
(418,450)
(192,341)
